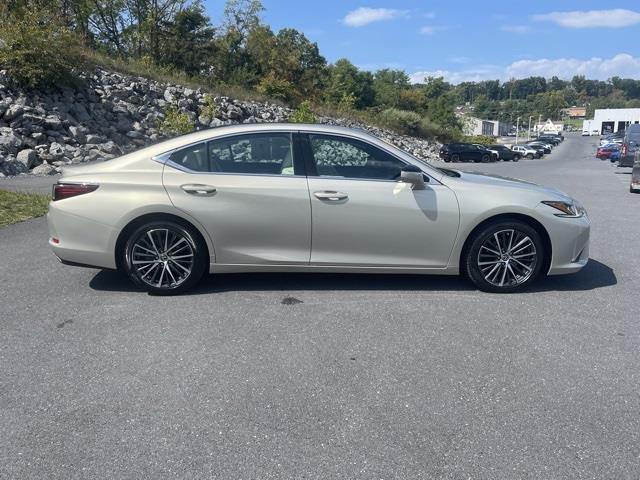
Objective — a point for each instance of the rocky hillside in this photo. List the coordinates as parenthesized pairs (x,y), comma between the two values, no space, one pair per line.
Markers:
(110,114)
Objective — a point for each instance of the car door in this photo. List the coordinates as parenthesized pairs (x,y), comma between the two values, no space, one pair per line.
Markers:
(362,215)
(250,193)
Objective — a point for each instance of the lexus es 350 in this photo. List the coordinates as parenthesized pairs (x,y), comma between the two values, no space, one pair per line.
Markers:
(313,198)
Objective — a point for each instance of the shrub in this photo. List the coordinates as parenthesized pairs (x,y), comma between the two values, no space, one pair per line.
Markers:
(175,122)
(209,109)
(36,49)
(303,114)
(275,87)
(408,123)
(479,139)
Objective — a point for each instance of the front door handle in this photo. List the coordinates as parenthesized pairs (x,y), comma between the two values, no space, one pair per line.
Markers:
(330,195)
(199,189)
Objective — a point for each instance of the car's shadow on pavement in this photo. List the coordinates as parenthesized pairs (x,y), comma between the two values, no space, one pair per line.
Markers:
(594,275)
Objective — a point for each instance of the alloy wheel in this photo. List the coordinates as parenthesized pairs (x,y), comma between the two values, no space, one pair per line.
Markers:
(163,258)
(507,258)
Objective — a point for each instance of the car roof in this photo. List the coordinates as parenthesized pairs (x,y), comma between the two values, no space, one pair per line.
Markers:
(247,128)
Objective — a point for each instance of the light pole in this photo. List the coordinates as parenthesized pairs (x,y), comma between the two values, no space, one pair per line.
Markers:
(517,128)
(529,129)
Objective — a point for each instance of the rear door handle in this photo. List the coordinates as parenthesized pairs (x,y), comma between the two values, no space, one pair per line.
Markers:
(330,195)
(199,189)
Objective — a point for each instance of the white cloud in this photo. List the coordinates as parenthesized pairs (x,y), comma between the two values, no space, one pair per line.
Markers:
(428,30)
(365,15)
(516,28)
(429,15)
(621,65)
(615,18)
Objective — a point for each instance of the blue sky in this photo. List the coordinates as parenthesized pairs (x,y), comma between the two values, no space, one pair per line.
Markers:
(469,40)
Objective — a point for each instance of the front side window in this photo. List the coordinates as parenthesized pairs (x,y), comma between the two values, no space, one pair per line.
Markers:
(260,153)
(344,157)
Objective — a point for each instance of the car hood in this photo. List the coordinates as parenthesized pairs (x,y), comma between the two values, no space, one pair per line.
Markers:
(498,181)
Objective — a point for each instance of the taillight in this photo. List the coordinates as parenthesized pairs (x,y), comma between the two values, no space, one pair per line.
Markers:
(68,190)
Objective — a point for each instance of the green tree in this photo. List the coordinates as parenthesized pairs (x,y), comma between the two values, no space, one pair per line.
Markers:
(345,80)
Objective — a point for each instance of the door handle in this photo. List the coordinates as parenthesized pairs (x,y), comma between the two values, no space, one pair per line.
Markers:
(199,189)
(330,195)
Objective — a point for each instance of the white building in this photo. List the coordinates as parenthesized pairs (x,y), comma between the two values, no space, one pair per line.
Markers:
(490,128)
(549,127)
(611,120)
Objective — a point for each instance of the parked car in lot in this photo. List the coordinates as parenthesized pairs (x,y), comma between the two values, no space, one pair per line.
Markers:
(526,152)
(630,146)
(505,153)
(608,151)
(545,147)
(494,153)
(295,197)
(464,152)
(554,140)
(634,187)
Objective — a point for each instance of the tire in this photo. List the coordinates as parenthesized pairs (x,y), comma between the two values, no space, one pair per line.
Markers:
(455,158)
(516,158)
(530,156)
(446,159)
(485,159)
(159,270)
(495,273)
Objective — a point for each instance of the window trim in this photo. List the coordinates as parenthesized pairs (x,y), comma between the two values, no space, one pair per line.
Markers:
(312,170)
(165,157)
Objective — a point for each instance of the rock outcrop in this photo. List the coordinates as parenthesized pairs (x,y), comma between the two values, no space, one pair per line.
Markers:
(109,114)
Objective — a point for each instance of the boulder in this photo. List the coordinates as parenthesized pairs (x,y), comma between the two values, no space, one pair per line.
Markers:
(44,169)
(27,157)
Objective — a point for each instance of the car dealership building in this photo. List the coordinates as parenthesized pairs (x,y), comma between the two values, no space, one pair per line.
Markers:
(611,120)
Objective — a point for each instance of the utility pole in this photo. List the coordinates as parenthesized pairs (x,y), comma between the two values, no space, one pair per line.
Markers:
(529,130)
(517,129)
(538,129)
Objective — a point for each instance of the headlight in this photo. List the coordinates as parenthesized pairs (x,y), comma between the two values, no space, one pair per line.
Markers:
(568,210)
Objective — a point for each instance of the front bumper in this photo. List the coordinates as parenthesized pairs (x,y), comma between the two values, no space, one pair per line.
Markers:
(570,244)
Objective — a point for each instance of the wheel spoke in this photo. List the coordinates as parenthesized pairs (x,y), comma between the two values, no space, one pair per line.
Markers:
(179,242)
(178,265)
(150,235)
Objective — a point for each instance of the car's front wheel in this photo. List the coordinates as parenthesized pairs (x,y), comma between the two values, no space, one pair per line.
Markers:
(504,257)
(165,258)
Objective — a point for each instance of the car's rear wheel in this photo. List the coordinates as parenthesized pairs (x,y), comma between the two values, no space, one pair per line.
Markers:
(485,159)
(455,158)
(504,257)
(516,158)
(165,258)
(530,156)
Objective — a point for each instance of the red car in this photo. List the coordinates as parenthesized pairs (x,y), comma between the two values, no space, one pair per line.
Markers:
(607,151)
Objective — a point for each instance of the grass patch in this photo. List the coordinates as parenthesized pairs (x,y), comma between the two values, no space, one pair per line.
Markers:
(17,206)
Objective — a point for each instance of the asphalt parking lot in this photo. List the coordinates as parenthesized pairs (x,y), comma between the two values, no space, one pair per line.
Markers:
(329,376)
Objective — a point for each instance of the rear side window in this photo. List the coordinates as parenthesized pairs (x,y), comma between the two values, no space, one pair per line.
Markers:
(193,157)
(262,153)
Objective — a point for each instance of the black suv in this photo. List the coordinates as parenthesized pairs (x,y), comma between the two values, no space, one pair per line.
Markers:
(630,145)
(505,153)
(464,152)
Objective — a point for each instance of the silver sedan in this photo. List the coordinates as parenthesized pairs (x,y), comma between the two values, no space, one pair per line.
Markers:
(313,198)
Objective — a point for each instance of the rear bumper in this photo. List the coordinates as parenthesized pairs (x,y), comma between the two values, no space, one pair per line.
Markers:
(626,161)
(80,241)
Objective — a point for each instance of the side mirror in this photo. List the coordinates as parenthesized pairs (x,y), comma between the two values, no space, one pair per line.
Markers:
(413,175)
